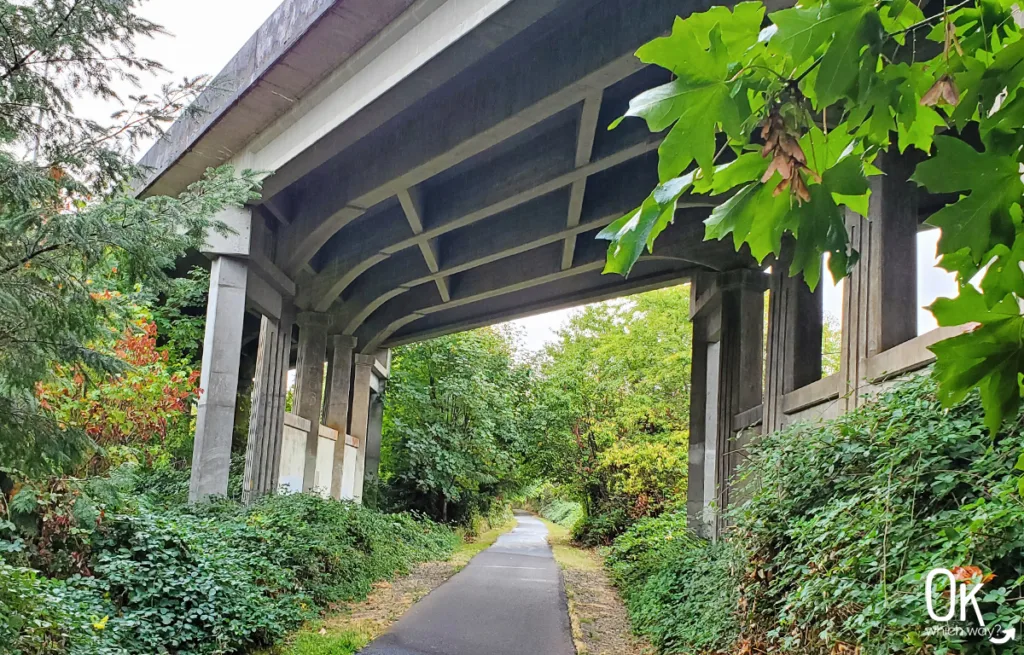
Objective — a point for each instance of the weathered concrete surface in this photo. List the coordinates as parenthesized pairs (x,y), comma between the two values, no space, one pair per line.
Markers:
(222,349)
(508,601)
(309,384)
(360,414)
(301,43)
(339,386)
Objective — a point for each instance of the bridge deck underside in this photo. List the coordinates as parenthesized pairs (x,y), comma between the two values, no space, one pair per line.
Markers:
(480,200)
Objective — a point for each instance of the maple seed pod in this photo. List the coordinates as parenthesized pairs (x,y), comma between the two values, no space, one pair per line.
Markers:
(943,91)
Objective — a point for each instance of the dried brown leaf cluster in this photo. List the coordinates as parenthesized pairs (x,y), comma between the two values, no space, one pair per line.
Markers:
(788,159)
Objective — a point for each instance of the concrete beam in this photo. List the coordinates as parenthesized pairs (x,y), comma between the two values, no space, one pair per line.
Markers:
(486,112)
(526,227)
(261,297)
(236,240)
(339,274)
(584,148)
(272,207)
(683,243)
(412,204)
(429,44)
(621,287)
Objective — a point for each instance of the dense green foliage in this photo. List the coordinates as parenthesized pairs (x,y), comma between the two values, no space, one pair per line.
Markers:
(70,229)
(454,425)
(611,412)
(844,522)
(680,590)
(548,500)
(789,120)
(102,567)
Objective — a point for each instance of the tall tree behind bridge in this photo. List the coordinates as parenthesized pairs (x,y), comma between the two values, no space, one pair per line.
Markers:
(70,229)
(453,434)
(613,406)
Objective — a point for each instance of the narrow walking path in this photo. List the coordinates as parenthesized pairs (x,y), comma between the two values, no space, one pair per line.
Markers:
(508,601)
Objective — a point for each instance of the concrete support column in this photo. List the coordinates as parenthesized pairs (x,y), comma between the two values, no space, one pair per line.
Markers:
(339,383)
(728,312)
(374,430)
(266,417)
(222,347)
(360,412)
(880,295)
(702,328)
(794,341)
(309,384)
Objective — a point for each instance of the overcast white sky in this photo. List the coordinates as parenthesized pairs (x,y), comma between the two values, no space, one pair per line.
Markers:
(205,34)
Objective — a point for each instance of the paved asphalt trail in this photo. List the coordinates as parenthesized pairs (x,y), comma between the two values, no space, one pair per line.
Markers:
(508,601)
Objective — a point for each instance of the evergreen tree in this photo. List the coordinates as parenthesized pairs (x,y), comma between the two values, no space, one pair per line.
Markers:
(71,230)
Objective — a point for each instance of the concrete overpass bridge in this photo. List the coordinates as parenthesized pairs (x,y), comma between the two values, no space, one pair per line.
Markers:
(440,165)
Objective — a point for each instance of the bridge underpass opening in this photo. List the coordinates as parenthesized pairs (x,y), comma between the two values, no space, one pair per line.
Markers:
(442,165)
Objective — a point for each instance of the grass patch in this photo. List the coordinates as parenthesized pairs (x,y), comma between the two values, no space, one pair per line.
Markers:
(328,643)
(567,555)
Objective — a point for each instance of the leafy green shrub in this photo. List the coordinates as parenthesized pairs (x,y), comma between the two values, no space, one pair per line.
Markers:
(563,512)
(847,518)
(338,550)
(29,611)
(679,589)
(844,522)
(602,527)
(639,550)
(214,578)
(184,583)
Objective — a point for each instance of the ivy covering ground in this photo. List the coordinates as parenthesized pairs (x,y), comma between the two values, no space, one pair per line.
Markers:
(92,568)
(846,519)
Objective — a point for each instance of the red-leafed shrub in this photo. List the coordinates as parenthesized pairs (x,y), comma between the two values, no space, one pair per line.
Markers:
(141,412)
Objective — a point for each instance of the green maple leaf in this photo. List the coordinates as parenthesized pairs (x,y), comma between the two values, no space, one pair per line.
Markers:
(990,358)
(841,64)
(700,52)
(994,185)
(691,37)
(804,31)
(639,228)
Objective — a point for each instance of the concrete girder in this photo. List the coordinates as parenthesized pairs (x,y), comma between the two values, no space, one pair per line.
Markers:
(430,43)
(584,148)
(412,204)
(683,243)
(489,111)
(340,273)
(513,308)
(527,227)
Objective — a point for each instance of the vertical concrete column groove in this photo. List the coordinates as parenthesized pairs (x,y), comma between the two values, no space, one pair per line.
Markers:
(222,349)
(742,341)
(337,404)
(696,451)
(726,380)
(266,418)
(793,351)
(880,295)
(360,417)
(309,385)
(375,422)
